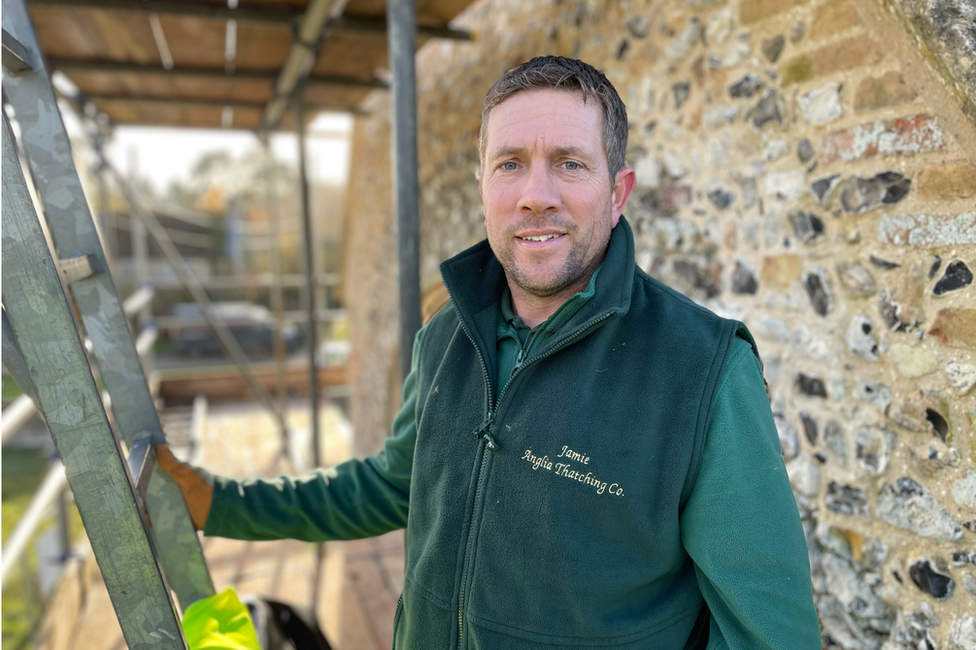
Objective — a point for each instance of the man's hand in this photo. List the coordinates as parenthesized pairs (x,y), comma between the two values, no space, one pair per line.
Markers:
(197,492)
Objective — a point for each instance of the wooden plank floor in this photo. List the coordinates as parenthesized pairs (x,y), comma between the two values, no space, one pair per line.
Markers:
(361,580)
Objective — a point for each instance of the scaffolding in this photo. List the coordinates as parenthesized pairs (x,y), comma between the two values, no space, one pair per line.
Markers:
(281,62)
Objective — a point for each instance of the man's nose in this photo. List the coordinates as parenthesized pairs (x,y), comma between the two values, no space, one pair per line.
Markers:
(539,193)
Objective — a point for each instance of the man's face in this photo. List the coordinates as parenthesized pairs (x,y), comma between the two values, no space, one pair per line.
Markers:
(548,198)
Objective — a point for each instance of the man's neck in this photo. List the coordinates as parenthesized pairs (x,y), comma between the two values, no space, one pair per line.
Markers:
(534,309)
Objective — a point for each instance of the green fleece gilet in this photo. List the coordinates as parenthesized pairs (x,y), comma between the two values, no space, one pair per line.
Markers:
(548,510)
(568,533)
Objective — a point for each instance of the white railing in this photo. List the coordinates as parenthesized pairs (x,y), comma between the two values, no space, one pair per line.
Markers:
(17,413)
(50,491)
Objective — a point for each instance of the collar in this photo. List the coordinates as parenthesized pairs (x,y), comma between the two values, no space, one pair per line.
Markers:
(556,320)
(475,281)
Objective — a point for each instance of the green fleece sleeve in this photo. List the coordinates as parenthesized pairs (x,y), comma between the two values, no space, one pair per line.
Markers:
(741,526)
(359,498)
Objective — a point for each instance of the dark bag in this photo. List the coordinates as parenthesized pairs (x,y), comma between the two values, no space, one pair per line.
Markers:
(281,626)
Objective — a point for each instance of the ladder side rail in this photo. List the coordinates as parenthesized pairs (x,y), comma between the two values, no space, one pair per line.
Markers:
(13,360)
(73,229)
(48,150)
(49,341)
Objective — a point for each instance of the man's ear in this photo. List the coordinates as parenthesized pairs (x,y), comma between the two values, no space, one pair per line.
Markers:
(623,185)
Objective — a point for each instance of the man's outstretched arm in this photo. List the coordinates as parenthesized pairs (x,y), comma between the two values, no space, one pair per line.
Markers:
(741,526)
(358,498)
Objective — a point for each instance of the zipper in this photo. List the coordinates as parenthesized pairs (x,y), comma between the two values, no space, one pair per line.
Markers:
(483,432)
(469,543)
(521,362)
(396,617)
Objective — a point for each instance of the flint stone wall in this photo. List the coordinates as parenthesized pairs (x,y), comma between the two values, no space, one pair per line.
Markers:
(800,167)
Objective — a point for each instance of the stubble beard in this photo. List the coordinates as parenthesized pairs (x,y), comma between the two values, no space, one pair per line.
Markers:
(571,272)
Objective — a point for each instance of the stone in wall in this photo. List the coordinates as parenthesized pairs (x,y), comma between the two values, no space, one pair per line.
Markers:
(822,105)
(822,187)
(856,280)
(861,194)
(768,110)
(906,504)
(744,278)
(872,448)
(912,361)
(846,499)
(964,490)
(835,442)
(962,634)
(933,581)
(961,377)
(773,47)
(860,338)
(806,225)
(817,284)
(957,276)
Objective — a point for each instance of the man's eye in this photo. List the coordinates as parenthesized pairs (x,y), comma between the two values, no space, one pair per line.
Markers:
(509,166)
(571,165)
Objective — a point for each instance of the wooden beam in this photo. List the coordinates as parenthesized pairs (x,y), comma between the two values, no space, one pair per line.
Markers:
(176,101)
(201,103)
(272,14)
(378,26)
(222,382)
(115,67)
(254,13)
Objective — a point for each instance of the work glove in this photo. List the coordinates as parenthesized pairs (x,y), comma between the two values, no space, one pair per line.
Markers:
(196,485)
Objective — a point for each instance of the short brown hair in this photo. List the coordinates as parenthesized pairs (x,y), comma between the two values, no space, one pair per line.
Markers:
(562,73)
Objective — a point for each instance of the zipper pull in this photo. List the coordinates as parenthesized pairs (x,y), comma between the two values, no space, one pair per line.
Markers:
(492,445)
(483,427)
(519,360)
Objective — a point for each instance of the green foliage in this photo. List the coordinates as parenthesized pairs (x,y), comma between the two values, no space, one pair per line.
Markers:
(11,389)
(23,471)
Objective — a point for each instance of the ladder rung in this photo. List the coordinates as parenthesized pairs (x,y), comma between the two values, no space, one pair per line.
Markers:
(75,268)
(15,55)
(142,460)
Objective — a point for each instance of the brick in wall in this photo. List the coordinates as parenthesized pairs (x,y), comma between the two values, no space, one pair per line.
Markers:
(833,17)
(928,230)
(836,57)
(955,180)
(898,136)
(889,89)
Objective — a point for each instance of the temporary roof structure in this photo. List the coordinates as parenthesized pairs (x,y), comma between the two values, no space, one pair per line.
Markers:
(213,63)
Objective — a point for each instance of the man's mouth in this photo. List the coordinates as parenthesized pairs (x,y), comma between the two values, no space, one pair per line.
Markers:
(540,237)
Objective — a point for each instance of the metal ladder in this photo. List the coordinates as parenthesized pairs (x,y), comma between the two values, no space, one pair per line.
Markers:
(137,523)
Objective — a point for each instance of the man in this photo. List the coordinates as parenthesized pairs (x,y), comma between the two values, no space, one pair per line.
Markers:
(584,458)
